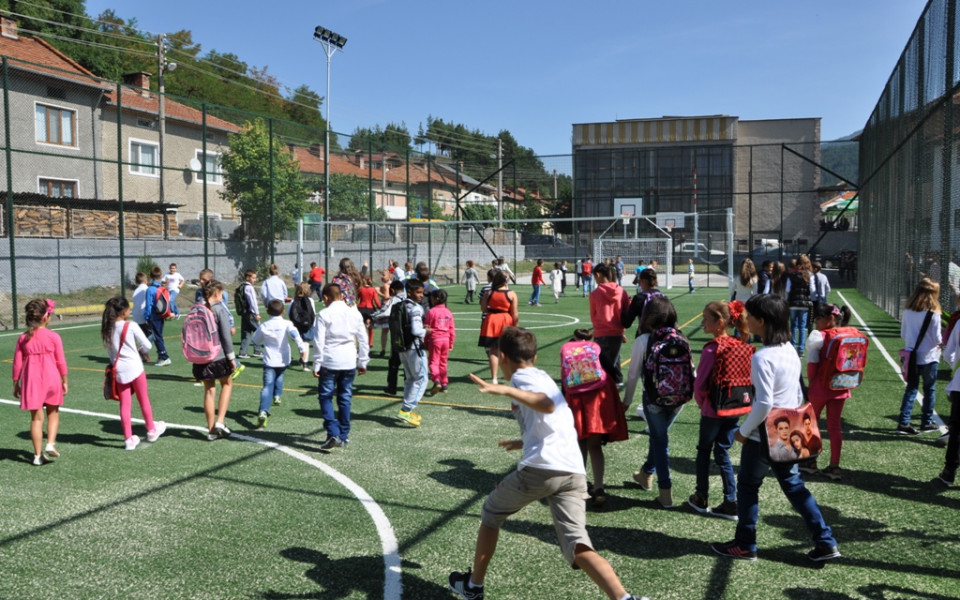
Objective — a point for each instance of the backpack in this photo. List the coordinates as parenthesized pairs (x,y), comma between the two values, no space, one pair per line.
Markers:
(240,299)
(401,331)
(161,304)
(200,337)
(587,268)
(668,368)
(302,315)
(731,388)
(580,369)
(843,358)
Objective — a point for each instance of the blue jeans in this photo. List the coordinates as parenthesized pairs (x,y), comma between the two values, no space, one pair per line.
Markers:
(587,284)
(416,374)
(659,420)
(799,317)
(928,375)
(753,468)
(272,386)
(173,301)
(535,295)
(341,382)
(716,433)
(156,329)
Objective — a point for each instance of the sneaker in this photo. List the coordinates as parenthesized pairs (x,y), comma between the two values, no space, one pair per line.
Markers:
(733,550)
(132,442)
(906,430)
(942,440)
(244,356)
(460,585)
(416,416)
(407,416)
(435,389)
(51,451)
(947,479)
(443,389)
(237,371)
(726,510)
(257,354)
(640,414)
(389,392)
(158,428)
(262,419)
(163,363)
(221,430)
(809,467)
(277,401)
(212,436)
(698,503)
(494,381)
(823,552)
(928,427)
(597,499)
(40,459)
(644,480)
(331,442)
(344,443)
(832,473)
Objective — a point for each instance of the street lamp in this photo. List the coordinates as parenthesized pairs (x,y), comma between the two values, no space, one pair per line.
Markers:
(331,42)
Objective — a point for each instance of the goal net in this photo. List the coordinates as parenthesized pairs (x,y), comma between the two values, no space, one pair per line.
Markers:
(633,250)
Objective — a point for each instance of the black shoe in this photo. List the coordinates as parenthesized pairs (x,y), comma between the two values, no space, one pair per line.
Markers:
(698,503)
(947,479)
(725,510)
(389,392)
(822,552)
(928,427)
(907,430)
(733,550)
(459,585)
(331,442)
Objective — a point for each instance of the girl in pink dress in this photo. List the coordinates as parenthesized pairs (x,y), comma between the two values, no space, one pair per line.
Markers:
(442,333)
(40,377)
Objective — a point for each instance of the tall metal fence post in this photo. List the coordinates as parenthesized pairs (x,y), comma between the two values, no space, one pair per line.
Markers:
(456,219)
(273,233)
(429,211)
(407,193)
(9,152)
(120,230)
(371,228)
(203,169)
(325,219)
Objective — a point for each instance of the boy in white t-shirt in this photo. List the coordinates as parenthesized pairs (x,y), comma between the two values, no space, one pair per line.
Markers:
(174,281)
(551,467)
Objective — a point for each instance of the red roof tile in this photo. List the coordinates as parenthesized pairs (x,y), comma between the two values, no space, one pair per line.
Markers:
(37,56)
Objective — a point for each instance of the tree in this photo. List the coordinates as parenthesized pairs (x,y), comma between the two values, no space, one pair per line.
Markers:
(248,185)
(350,199)
(394,138)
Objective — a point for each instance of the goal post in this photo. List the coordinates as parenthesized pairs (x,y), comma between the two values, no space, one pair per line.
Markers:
(633,250)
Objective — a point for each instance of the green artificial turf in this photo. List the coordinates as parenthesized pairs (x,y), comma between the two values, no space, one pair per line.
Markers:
(188,518)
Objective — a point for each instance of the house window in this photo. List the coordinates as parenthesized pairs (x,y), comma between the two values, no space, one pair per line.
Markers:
(144,158)
(212,167)
(55,125)
(58,188)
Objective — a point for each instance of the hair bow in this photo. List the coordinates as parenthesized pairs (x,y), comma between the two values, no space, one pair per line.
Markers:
(736,309)
(50,306)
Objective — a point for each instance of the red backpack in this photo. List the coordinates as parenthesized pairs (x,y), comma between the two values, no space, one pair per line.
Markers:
(843,358)
(731,388)
(580,369)
(161,304)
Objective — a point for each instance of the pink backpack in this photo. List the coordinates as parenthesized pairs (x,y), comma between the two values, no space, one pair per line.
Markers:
(200,337)
(580,369)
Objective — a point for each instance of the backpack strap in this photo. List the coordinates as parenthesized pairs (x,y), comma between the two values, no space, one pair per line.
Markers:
(123,337)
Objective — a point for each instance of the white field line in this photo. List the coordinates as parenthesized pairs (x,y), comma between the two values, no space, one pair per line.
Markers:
(392,589)
(894,364)
(17,333)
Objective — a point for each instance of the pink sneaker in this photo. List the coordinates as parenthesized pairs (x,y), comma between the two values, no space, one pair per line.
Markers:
(158,428)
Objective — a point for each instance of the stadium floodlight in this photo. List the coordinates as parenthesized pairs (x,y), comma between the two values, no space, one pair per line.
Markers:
(323,34)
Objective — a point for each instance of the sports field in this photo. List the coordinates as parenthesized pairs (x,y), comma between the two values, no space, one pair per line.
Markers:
(266,515)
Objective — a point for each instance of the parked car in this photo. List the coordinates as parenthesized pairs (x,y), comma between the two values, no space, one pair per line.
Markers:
(690,250)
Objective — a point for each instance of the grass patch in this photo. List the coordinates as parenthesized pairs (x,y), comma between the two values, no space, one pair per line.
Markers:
(231,519)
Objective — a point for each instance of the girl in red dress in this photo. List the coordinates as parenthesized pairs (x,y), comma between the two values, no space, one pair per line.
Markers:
(499,308)
(368,302)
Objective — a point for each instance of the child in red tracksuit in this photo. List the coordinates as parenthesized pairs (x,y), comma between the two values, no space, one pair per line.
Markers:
(442,334)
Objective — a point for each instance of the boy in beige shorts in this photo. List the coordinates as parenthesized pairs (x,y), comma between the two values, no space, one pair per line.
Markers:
(551,467)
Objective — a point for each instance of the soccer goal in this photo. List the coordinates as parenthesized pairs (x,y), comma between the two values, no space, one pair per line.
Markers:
(633,250)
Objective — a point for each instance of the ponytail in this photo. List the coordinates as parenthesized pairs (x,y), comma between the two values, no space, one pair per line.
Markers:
(112,310)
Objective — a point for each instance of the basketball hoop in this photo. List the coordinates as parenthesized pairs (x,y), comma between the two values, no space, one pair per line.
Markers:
(626,218)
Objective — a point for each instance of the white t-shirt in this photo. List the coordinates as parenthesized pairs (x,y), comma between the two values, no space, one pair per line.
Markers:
(138,304)
(549,439)
(814,344)
(775,371)
(129,365)
(173,281)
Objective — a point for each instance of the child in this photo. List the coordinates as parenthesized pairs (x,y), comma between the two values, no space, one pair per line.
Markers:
(249,313)
(40,377)
(775,370)
(154,320)
(549,469)
(556,282)
(125,343)
(367,303)
(826,317)
(139,300)
(276,354)
(205,276)
(923,312)
(800,291)
(470,279)
(951,351)
(536,281)
(658,313)
(412,356)
(174,281)
(383,292)
(443,333)
(690,272)
(607,303)
(220,368)
(598,418)
(305,310)
(397,295)
(716,433)
(499,308)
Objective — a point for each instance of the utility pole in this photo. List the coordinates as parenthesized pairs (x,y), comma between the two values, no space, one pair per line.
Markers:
(161,120)
(500,183)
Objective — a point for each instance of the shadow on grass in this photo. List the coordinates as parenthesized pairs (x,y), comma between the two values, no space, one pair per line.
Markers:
(463,474)
(16,455)
(341,578)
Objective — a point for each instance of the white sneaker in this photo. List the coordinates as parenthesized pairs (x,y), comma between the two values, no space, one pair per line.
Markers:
(158,428)
(221,430)
(51,451)
(640,414)
(494,381)
(40,459)
(163,363)
(132,442)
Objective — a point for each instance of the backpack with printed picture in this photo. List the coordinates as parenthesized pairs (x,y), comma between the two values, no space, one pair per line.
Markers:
(161,304)
(580,369)
(200,337)
(401,329)
(731,388)
(843,358)
(302,314)
(668,368)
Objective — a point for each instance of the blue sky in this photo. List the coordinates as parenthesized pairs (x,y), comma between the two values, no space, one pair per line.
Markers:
(537,67)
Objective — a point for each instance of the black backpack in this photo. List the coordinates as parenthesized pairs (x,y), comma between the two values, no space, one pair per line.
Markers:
(401,330)
(240,298)
(301,314)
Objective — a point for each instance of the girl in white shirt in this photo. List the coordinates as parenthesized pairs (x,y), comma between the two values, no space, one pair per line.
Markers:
(926,355)
(130,375)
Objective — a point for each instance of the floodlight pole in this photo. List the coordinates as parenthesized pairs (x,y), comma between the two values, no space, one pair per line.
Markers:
(331,42)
